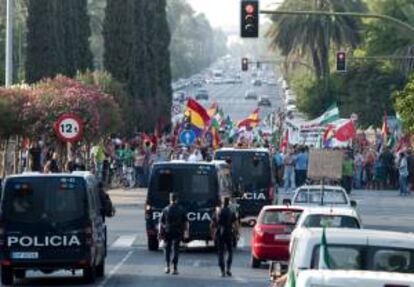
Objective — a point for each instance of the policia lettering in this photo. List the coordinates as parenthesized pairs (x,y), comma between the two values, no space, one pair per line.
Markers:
(191,216)
(254,196)
(35,241)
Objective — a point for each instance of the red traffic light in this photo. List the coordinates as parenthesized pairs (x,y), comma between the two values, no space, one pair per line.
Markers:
(249,9)
(341,55)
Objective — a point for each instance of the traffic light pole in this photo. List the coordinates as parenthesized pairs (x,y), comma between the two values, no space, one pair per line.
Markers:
(393,20)
(9,43)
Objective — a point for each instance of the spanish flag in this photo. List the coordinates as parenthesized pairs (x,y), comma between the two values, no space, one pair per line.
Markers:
(385,130)
(252,120)
(215,133)
(198,116)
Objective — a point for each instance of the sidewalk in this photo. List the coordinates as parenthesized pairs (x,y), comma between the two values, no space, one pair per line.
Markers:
(134,196)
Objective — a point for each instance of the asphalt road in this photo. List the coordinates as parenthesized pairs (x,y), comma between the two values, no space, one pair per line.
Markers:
(230,97)
(129,263)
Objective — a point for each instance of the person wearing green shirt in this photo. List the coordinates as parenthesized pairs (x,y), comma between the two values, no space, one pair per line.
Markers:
(347,172)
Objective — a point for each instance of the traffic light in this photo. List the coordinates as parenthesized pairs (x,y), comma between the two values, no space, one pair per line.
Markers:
(245,64)
(340,62)
(249,18)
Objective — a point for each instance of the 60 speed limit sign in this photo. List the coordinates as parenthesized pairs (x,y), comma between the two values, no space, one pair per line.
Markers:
(69,128)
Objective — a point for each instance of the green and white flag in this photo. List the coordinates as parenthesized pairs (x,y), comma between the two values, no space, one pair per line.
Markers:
(332,114)
(325,261)
(291,282)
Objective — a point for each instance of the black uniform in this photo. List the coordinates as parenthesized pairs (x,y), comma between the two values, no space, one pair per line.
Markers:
(224,236)
(173,224)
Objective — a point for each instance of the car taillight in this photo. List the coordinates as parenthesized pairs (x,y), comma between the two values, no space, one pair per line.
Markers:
(271,193)
(259,231)
(88,234)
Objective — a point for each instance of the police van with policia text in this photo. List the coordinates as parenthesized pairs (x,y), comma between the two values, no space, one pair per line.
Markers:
(50,222)
(199,187)
(252,175)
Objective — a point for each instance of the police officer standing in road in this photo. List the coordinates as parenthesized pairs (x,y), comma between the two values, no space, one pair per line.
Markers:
(224,226)
(173,227)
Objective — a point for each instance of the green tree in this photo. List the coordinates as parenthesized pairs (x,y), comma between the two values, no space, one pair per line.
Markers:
(57,38)
(312,36)
(404,104)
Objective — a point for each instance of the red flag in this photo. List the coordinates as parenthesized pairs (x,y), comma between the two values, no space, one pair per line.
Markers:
(285,142)
(252,120)
(345,132)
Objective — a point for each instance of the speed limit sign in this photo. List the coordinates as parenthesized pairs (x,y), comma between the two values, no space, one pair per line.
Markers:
(69,128)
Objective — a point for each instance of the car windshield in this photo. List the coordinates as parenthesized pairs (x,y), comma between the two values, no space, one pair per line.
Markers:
(314,196)
(280,217)
(194,185)
(337,221)
(371,258)
(56,199)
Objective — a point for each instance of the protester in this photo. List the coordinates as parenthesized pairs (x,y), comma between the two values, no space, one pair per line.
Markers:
(347,172)
(289,171)
(301,166)
(403,171)
(359,169)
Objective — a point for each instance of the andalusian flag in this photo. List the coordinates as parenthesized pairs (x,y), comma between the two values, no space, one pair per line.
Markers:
(325,260)
(332,114)
(252,120)
(291,282)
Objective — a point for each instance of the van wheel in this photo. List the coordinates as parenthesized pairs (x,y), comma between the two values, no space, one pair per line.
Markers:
(153,243)
(6,276)
(100,269)
(254,262)
(20,273)
(89,274)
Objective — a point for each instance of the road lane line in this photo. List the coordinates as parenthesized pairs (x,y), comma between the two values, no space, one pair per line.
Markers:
(116,268)
(124,241)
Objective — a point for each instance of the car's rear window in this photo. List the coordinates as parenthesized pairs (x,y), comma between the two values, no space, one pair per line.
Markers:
(336,221)
(370,258)
(316,196)
(250,169)
(195,185)
(280,217)
(51,199)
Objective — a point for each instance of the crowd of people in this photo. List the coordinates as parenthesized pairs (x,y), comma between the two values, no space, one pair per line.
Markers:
(367,168)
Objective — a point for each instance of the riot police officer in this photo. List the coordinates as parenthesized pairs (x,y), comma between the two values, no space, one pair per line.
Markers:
(173,227)
(224,225)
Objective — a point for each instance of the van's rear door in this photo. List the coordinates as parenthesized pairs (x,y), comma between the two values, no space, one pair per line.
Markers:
(45,219)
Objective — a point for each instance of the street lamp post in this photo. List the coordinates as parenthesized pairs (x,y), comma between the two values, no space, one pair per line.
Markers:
(9,43)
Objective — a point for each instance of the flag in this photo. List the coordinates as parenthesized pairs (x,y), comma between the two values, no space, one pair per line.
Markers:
(328,135)
(385,130)
(285,142)
(252,120)
(212,110)
(198,116)
(332,114)
(291,282)
(346,131)
(325,260)
(215,133)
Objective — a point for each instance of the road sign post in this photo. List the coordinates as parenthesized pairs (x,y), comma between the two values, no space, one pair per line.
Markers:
(69,128)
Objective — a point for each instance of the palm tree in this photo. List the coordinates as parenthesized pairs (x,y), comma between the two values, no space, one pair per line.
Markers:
(313,35)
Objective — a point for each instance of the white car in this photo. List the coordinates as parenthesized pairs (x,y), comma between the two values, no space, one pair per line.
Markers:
(346,278)
(314,195)
(329,217)
(351,249)
(291,108)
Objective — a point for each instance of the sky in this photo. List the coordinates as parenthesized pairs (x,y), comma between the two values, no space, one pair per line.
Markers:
(224,14)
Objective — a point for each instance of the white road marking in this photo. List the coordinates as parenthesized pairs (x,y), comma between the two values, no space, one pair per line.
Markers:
(240,279)
(116,268)
(124,241)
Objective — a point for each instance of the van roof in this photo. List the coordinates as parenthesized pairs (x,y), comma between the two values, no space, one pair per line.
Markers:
(357,237)
(336,276)
(81,174)
(215,163)
(252,150)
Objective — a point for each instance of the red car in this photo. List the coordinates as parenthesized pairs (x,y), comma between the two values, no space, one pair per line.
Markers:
(271,234)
